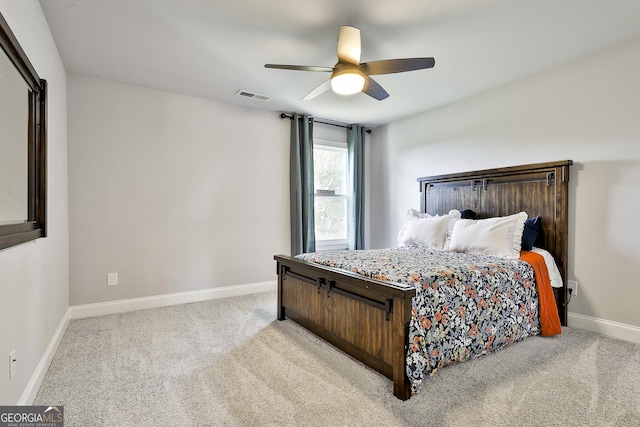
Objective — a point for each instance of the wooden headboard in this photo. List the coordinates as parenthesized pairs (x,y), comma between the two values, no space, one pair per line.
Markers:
(538,189)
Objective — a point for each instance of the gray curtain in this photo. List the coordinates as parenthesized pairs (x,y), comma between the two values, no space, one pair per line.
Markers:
(303,237)
(355,144)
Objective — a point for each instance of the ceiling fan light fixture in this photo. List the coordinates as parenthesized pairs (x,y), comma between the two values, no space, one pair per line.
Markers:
(347,82)
(350,76)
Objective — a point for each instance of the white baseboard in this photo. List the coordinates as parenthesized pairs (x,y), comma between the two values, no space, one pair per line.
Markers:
(31,390)
(122,306)
(605,327)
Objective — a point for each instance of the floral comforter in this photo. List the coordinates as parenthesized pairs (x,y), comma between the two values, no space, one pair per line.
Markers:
(465,305)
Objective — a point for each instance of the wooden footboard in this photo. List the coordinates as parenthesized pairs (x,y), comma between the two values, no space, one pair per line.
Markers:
(365,318)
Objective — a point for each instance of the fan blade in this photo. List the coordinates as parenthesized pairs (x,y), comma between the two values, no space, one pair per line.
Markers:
(389,66)
(374,90)
(299,67)
(324,86)
(349,45)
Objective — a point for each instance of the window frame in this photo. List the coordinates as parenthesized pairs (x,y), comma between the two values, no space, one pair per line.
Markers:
(331,145)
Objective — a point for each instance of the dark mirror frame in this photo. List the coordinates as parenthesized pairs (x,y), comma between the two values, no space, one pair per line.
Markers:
(35,225)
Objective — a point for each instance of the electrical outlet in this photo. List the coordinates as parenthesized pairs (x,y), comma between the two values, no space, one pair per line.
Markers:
(12,364)
(573,284)
(112,279)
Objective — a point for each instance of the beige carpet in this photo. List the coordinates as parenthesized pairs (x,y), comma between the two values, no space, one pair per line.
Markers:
(229,362)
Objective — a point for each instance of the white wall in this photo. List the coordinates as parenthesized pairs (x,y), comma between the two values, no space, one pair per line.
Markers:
(34,277)
(173,193)
(587,111)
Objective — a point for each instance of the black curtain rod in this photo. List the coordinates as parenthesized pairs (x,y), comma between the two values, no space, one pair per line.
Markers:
(290,117)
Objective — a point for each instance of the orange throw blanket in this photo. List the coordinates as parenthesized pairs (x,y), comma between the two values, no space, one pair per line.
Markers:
(549,319)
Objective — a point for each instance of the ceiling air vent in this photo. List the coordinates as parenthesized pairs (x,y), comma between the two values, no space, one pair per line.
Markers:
(247,94)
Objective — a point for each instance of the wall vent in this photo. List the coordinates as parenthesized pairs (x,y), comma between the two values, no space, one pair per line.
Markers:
(248,94)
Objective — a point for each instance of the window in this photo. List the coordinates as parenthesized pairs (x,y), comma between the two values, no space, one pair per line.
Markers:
(331,180)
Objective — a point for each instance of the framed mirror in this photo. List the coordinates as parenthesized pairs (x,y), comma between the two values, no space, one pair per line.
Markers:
(23,161)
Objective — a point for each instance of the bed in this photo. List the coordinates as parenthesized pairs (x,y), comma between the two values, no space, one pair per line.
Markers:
(372,317)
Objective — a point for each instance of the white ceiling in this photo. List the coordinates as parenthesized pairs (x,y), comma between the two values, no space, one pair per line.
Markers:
(214,48)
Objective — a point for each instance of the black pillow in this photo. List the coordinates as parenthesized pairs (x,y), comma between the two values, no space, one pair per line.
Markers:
(530,233)
(467,214)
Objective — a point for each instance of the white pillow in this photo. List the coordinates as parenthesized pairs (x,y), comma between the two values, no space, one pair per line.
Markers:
(411,213)
(424,229)
(552,267)
(501,236)
(447,239)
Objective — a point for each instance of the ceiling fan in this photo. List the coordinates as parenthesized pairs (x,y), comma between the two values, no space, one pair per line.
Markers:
(349,76)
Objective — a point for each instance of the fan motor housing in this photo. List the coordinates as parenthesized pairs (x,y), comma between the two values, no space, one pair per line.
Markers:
(345,67)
